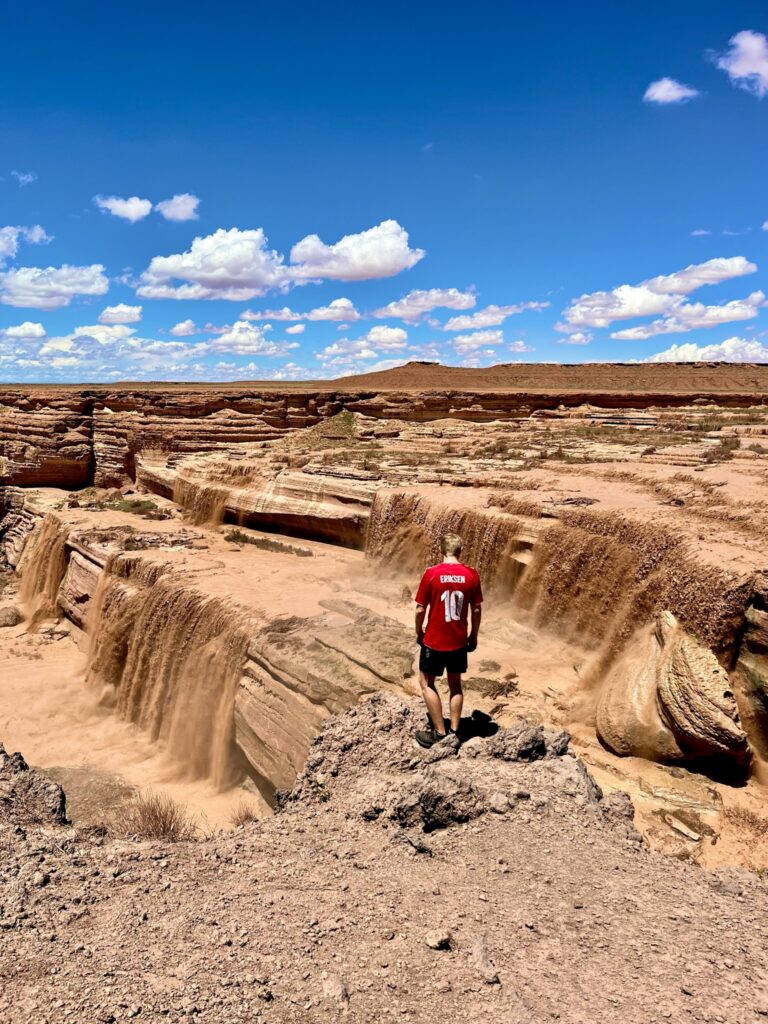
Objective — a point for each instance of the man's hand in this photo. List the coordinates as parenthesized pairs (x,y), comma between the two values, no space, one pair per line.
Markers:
(420,637)
(472,644)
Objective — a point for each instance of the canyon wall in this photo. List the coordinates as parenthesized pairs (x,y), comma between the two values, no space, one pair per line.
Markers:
(684,690)
(227,691)
(328,507)
(72,437)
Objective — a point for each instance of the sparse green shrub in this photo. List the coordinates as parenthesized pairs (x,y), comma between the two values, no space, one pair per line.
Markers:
(136,506)
(266,543)
(723,451)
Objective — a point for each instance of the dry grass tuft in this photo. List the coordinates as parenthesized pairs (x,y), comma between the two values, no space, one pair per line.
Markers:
(494,688)
(244,814)
(153,816)
(753,824)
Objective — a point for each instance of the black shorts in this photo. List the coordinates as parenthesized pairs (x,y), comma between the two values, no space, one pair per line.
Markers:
(433,663)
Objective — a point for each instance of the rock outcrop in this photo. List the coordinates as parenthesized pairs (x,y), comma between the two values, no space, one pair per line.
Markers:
(26,796)
(751,674)
(299,671)
(330,507)
(668,699)
(390,886)
(17,520)
(45,441)
(219,685)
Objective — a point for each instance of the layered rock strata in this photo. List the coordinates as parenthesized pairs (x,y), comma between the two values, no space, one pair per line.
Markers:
(17,520)
(330,507)
(668,699)
(74,436)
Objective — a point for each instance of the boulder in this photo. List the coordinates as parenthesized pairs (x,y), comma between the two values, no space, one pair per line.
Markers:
(669,699)
(10,616)
(526,742)
(438,799)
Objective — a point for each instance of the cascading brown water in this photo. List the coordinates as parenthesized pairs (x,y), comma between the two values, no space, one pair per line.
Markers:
(203,504)
(42,569)
(172,658)
(594,577)
(599,577)
(405,529)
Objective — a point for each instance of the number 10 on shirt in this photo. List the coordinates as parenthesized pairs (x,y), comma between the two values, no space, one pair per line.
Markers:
(454,602)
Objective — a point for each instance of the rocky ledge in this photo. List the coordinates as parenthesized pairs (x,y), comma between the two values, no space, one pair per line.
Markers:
(491,882)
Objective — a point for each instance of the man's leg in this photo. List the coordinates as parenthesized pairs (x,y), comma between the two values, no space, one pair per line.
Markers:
(433,702)
(457,699)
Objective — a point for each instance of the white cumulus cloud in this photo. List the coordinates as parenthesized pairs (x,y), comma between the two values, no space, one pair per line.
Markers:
(50,287)
(229,264)
(237,265)
(387,339)
(695,315)
(418,302)
(180,207)
(576,338)
(27,331)
(667,90)
(120,314)
(296,329)
(697,274)
(655,296)
(273,314)
(345,355)
(338,310)
(184,328)
(133,209)
(732,350)
(10,237)
(344,352)
(84,338)
(520,346)
(746,62)
(381,251)
(245,339)
(466,343)
(491,316)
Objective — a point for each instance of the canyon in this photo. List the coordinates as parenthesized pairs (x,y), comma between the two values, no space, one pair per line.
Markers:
(206,596)
(621,536)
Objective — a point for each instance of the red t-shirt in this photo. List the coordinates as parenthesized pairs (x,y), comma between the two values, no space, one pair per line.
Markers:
(448,590)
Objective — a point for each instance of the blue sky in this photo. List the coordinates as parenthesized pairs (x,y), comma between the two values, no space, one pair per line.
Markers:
(263,190)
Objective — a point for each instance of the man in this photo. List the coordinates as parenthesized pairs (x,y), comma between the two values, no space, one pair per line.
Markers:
(449,591)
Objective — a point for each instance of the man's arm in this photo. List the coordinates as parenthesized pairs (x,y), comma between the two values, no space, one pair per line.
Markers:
(421,611)
(477,615)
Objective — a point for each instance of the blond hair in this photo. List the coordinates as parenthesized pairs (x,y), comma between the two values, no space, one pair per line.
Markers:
(450,544)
